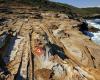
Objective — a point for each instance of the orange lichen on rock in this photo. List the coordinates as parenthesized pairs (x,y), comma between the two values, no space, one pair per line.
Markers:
(38,51)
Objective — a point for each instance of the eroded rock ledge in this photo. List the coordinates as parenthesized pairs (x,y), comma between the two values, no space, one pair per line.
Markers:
(43,46)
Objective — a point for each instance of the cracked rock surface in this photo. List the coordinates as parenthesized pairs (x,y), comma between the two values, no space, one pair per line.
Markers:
(42,46)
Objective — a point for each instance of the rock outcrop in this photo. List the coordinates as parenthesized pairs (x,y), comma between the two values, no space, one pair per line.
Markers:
(45,46)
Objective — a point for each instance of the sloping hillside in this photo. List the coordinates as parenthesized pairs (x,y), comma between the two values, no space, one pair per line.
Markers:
(59,7)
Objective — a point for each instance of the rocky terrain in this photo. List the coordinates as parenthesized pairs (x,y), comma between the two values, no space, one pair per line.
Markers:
(42,45)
